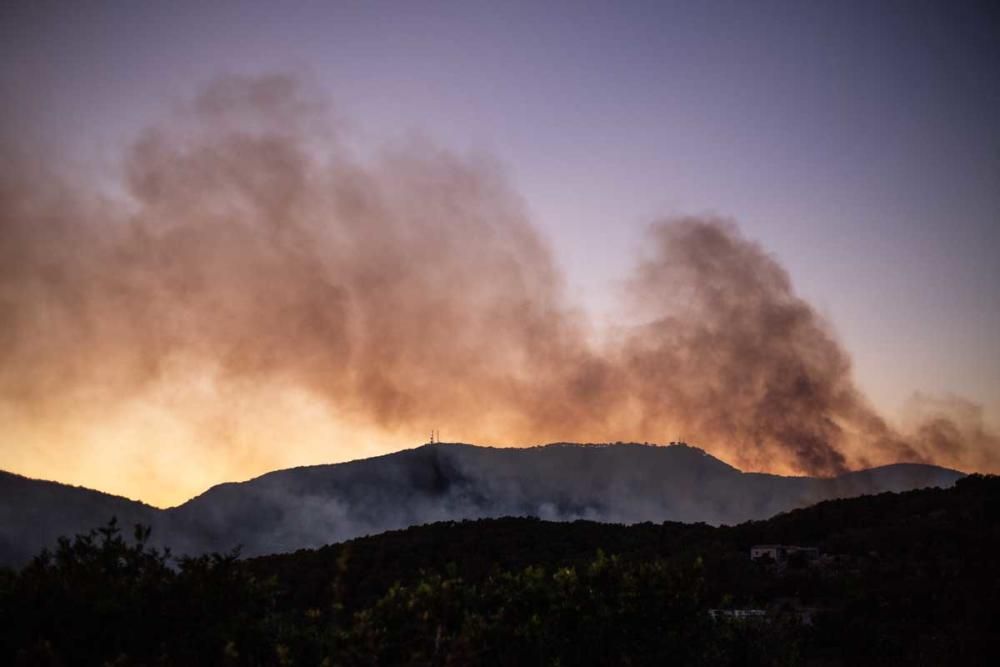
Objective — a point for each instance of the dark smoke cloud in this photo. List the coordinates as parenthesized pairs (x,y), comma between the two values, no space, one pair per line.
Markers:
(405,291)
(739,357)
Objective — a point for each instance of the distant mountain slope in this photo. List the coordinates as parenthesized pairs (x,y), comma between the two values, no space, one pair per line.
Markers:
(628,483)
(35,513)
(316,505)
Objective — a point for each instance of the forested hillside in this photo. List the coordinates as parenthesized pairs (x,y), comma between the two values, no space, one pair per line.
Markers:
(898,579)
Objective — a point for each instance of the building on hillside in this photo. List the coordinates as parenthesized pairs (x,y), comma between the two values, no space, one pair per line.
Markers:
(737,614)
(780,553)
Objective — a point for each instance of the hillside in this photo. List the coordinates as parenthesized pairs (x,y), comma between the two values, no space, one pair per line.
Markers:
(316,505)
(899,579)
(33,513)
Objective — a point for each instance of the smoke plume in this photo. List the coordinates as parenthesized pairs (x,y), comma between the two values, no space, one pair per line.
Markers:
(258,286)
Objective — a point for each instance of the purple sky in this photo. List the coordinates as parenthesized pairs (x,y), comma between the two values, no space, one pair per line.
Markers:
(858,142)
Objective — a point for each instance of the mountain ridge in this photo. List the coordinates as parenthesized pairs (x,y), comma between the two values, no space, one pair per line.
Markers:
(309,506)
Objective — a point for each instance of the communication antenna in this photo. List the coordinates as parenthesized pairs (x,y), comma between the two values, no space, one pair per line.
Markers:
(432,436)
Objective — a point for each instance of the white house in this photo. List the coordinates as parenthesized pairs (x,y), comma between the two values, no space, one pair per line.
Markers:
(779,553)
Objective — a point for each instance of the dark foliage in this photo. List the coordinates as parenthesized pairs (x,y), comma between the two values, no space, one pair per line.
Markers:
(904,579)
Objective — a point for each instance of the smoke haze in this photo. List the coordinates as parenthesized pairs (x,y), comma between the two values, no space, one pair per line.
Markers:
(257,295)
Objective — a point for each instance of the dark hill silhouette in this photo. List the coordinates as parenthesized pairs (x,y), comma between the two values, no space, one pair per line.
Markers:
(316,505)
(34,513)
(894,579)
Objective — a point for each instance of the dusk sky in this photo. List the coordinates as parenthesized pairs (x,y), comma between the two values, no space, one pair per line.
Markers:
(858,143)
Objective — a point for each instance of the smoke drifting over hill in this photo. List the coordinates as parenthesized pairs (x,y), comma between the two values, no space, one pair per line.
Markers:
(258,281)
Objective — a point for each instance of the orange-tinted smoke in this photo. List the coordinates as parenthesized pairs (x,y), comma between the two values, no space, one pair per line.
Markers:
(402,291)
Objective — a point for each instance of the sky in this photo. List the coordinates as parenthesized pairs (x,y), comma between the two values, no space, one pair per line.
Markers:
(857,143)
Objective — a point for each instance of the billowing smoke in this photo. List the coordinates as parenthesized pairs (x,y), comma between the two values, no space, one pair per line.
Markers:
(254,283)
(739,356)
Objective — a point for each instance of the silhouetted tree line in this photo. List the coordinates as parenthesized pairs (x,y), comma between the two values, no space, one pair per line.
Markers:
(905,579)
